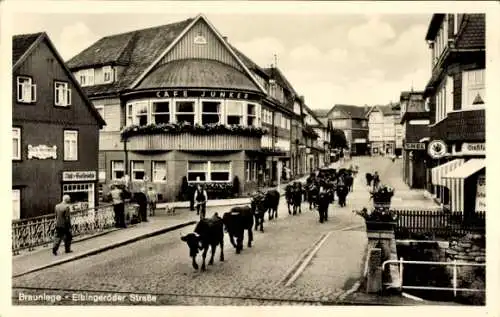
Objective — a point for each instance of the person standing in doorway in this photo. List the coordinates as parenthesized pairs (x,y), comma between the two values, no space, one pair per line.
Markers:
(63,225)
(118,206)
(200,198)
(152,200)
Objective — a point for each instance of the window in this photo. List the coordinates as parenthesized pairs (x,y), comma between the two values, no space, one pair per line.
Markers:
(16,204)
(456,23)
(117,170)
(107,74)
(250,171)
(161,112)
(159,169)
(220,171)
(85,77)
(70,145)
(473,88)
(185,111)
(234,112)
(251,115)
(197,171)
(26,90)
(254,171)
(201,171)
(449,94)
(62,94)
(288,124)
(130,114)
(210,113)
(137,113)
(277,119)
(137,168)
(16,143)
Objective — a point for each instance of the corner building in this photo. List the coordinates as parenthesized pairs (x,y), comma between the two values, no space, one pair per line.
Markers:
(188,101)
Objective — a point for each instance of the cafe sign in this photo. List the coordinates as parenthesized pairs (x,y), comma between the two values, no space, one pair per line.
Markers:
(199,93)
(474,148)
(42,152)
(79,176)
(415,146)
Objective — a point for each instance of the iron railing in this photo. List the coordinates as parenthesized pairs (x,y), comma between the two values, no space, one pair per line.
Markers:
(454,287)
(39,231)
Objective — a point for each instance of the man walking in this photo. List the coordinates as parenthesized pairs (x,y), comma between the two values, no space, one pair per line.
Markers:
(152,200)
(118,206)
(200,198)
(63,225)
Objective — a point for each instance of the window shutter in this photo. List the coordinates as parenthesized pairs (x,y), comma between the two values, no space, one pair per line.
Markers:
(68,92)
(33,93)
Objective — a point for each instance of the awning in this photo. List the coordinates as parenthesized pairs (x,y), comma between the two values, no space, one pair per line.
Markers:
(438,172)
(467,169)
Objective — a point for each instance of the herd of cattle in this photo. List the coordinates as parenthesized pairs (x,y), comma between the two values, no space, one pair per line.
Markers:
(319,191)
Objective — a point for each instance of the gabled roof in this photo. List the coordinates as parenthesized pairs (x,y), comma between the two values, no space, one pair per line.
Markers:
(355,112)
(434,25)
(311,113)
(321,113)
(21,41)
(276,74)
(386,110)
(21,44)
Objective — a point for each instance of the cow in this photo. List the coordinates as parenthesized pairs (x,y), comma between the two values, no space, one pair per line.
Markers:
(289,191)
(236,221)
(312,195)
(297,198)
(323,203)
(349,182)
(209,232)
(272,202)
(342,194)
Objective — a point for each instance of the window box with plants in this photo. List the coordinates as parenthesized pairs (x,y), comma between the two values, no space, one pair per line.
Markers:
(380,217)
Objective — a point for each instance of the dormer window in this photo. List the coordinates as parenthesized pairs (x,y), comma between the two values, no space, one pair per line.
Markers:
(26,90)
(86,77)
(108,74)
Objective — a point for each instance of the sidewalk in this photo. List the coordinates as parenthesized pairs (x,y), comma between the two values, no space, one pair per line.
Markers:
(43,258)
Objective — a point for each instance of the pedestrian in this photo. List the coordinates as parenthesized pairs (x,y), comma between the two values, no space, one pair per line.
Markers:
(369,178)
(152,200)
(323,202)
(142,200)
(200,198)
(376,179)
(349,180)
(63,225)
(118,206)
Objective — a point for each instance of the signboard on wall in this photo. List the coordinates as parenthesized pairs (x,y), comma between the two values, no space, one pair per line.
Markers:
(78,176)
(198,93)
(42,152)
(481,193)
(415,146)
(474,148)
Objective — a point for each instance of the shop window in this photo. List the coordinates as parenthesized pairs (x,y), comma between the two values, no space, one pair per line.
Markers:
(16,204)
(62,94)
(220,171)
(185,111)
(210,113)
(26,90)
(197,171)
(117,170)
(16,143)
(81,195)
(70,145)
(159,169)
(161,112)
(138,172)
(251,115)
(234,113)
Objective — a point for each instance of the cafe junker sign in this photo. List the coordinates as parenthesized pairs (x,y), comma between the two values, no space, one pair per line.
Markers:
(79,176)
(199,93)
(42,152)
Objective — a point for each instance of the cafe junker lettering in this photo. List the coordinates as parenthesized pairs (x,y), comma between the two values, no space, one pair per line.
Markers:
(201,94)
(79,176)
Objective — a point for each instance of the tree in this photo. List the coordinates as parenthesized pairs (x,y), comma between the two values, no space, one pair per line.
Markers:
(338,139)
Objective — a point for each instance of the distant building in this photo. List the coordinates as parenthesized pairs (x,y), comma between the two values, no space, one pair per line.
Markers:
(55,131)
(455,96)
(326,128)
(354,122)
(415,123)
(385,132)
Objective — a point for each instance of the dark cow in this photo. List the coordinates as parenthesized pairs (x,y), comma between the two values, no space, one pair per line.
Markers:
(289,191)
(312,195)
(323,203)
(293,195)
(272,201)
(208,232)
(237,220)
(349,180)
(342,194)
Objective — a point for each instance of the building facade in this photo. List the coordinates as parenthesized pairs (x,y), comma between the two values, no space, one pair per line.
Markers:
(385,131)
(55,132)
(415,123)
(354,122)
(185,106)
(324,130)
(316,138)
(455,96)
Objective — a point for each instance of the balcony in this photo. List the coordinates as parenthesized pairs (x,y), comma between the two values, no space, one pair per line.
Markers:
(193,138)
(464,125)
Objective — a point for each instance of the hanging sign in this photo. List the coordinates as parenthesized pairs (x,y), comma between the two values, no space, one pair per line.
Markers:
(481,193)
(42,152)
(437,149)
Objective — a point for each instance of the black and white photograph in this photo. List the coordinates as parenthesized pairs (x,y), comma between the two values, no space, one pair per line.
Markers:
(249,153)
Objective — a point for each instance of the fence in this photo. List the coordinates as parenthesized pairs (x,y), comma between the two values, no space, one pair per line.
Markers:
(454,281)
(438,223)
(39,231)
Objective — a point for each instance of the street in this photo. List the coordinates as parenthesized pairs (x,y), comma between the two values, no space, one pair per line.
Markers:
(296,260)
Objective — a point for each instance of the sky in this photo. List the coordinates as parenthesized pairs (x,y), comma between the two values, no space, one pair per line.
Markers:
(329,58)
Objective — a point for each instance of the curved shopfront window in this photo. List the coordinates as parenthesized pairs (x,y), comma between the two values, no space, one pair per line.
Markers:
(193,111)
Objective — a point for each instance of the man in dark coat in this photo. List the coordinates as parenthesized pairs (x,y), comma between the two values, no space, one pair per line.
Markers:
(342,195)
(323,203)
(63,225)
(142,200)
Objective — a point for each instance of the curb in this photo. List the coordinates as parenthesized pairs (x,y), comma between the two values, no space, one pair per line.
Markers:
(107,247)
